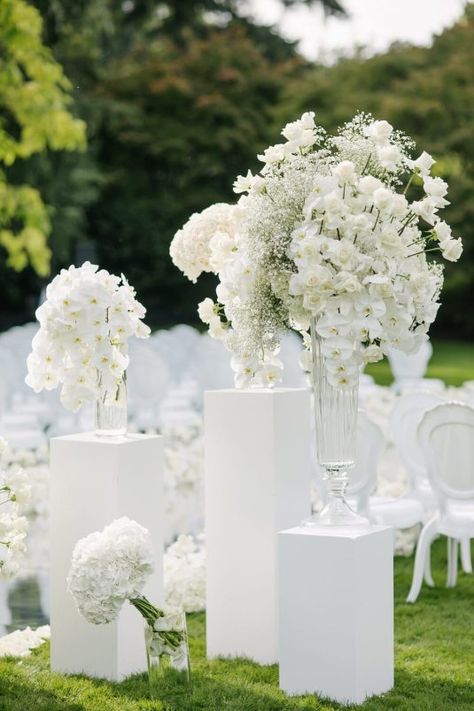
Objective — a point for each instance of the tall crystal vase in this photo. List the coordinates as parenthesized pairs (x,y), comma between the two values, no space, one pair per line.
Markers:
(335,411)
(111,409)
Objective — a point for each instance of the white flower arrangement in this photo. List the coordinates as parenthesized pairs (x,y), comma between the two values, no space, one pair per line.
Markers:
(85,324)
(112,566)
(15,495)
(108,568)
(329,231)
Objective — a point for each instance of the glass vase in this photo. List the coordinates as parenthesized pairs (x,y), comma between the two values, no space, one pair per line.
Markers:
(111,408)
(167,653)
(335,410)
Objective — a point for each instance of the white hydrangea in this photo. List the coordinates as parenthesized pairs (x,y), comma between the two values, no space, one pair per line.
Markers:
(85,324)
(191,250)
(330,236)
(109,567)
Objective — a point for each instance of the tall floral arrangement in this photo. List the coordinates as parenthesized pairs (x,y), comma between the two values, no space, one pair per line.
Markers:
(82,342)
(335,230)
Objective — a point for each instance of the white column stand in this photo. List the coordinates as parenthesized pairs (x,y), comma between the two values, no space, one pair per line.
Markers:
(336,612)
(94,481)
(257,445)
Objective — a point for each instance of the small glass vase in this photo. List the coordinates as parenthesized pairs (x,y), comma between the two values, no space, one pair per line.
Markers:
(167,653)
(335,410)
(111,409)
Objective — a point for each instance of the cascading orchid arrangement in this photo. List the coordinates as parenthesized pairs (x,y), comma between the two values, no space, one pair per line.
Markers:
(333,231)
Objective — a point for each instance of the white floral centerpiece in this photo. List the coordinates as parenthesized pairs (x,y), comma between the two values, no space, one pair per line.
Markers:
(333,228)
(15,496)
(330,239)
(112,566)
(82,342)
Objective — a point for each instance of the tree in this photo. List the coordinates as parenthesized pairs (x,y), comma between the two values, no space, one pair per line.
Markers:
(34,96)
(429,93)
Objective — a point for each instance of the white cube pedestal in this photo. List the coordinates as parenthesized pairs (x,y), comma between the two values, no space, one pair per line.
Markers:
(257,453)
(93,482)
(336,612)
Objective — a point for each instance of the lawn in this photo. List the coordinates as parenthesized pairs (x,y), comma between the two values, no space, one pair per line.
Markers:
(434,658)
(452,361)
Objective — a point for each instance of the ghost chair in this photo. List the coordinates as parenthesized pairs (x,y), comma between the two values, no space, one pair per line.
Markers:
(446,437)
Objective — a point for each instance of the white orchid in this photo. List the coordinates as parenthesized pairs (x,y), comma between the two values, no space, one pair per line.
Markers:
(334,237)
(85,323)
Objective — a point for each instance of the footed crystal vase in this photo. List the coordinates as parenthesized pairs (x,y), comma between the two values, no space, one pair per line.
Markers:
(335,409)
(111,408)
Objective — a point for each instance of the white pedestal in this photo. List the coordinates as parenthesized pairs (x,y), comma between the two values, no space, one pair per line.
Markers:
(93,482)
(336,612)
(257,449)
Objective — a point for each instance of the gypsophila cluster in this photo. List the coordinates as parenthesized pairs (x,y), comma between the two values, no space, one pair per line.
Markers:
(85,324)
(332,235)
(109,567)
(15,495)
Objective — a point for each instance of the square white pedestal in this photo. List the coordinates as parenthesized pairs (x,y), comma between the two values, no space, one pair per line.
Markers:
(257,458)
(93,482)
(336,612)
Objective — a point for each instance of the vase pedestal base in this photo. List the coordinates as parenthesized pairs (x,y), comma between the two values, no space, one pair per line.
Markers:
(337,512)
(95,480)
(336,611)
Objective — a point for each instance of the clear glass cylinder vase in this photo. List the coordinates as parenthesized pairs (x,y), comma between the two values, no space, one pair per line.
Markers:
(335,410)
(111,408)
(167,652)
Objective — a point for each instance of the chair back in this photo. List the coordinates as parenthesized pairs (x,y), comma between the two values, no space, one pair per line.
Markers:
(405,418)
(446,437)
(410,365)
(363,476)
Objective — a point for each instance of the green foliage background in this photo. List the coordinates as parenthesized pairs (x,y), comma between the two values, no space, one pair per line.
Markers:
(179,101)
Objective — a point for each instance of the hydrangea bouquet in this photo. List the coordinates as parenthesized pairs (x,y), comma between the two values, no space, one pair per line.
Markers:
(85,324)
(332,233)
(111,566)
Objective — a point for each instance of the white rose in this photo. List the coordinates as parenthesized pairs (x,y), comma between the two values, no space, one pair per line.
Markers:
(345,172)
(206,310)
(442,231)
(451,249)
(383,199)
(389,157)
(380,131)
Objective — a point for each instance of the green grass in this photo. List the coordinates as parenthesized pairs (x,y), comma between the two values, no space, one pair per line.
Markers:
(434,660)
(452,361)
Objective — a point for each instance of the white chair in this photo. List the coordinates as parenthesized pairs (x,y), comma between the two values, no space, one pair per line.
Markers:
(409,366)
(399,512)
(404,420)
(446,436)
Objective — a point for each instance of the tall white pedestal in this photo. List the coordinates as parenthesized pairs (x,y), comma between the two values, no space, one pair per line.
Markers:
(336,612)
(93,482)
(257,454)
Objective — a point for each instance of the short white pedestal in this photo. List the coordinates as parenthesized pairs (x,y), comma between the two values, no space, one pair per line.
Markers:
(94,481)
(257,449)
(336,612)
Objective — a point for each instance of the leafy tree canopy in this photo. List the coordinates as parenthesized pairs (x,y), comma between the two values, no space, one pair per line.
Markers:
(34,96)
